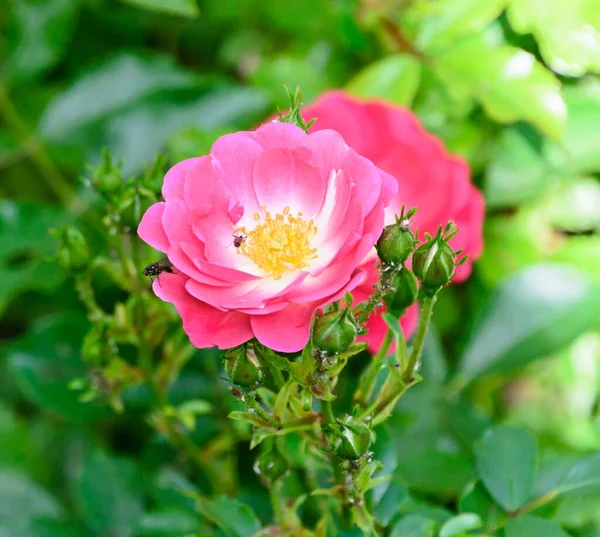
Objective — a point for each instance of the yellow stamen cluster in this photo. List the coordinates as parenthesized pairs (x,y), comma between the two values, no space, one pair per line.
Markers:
(280,243)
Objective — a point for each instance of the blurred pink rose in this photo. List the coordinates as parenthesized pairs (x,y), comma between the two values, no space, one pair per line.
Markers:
(428,177)
(306,210)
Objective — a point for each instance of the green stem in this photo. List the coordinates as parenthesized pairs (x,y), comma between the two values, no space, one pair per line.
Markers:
(327,412)
(369,377)
(426,311)
(252,403)
(54,179)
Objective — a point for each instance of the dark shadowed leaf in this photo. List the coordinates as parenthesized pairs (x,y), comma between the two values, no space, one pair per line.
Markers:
(390,502)
(506,460)
(233,517)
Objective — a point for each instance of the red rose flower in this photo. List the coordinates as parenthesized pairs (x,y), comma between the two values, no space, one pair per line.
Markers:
(428,176)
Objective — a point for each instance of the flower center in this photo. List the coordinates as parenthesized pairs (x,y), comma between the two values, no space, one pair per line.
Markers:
(279,243)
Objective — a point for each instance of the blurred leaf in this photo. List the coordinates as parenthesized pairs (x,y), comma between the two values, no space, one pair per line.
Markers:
(507,461)
(568,35)
(22,502)
(114,84)
(394,78)
(24,245)
(183,8)
(508,82)
(168,523)
(414,526)
(435,472)
(531,526)
(460,524)
(155,120)
(390,502)
(44,361)
(466,421)
(442,23)
(108,494)
(584,473)
(434,368)
(235,518)
(532,314)
(476,499)
(43,31)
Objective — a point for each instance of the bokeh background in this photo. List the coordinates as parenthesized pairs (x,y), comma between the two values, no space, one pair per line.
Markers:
(509,84)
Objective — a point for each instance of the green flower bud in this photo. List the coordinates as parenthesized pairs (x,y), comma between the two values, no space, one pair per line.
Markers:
(335,331)
(271,465)
(397,241)
(434,262)
(241,366)
(405,291)
(351,439)
(74,252)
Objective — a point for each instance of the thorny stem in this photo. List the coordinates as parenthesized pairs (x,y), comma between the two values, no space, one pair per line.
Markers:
(415,355)
(369,377)
(253,404)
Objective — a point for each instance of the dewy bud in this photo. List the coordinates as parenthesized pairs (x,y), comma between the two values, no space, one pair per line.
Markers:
(335,331)
(241,366)
(397,241)
(434,262)
(271,465)
(351,439)
(405,291)
(74,252)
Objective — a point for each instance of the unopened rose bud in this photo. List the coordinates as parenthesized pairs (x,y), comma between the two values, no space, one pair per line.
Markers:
(351,439)
(74,252)
(404,292)
(335,331)
(434,262)
(397,241)
(241,366)
(271,465)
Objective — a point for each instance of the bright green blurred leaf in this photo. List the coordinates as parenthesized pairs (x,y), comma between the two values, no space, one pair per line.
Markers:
(43,30)
(532,314)
(168,523)
(108,493)
(568,34)
(183,8)
(506,462)
(435,472)
(531,526)
(115,84)
(441,23)
(24,245)
(395,79)
(508,82)
(44,361)
(233,517)
(460,524)
(414,526)
(584,473)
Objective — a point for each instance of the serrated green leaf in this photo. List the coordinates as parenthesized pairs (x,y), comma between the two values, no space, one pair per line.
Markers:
(508,82)
(395,79)
(183,8)
(506,460)
(531,526)
(536,312)
(568,34)
(460,524)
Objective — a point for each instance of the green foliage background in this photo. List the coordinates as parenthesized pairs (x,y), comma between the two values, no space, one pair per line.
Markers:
(509,84)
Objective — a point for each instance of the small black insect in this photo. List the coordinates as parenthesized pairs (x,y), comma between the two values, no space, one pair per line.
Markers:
(238,240)
(156,269)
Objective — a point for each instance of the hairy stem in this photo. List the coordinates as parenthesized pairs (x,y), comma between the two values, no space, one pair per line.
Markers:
(426,311)
(369,377)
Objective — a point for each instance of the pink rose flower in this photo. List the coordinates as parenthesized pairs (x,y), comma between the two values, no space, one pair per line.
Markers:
(428,177)
(268,228)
